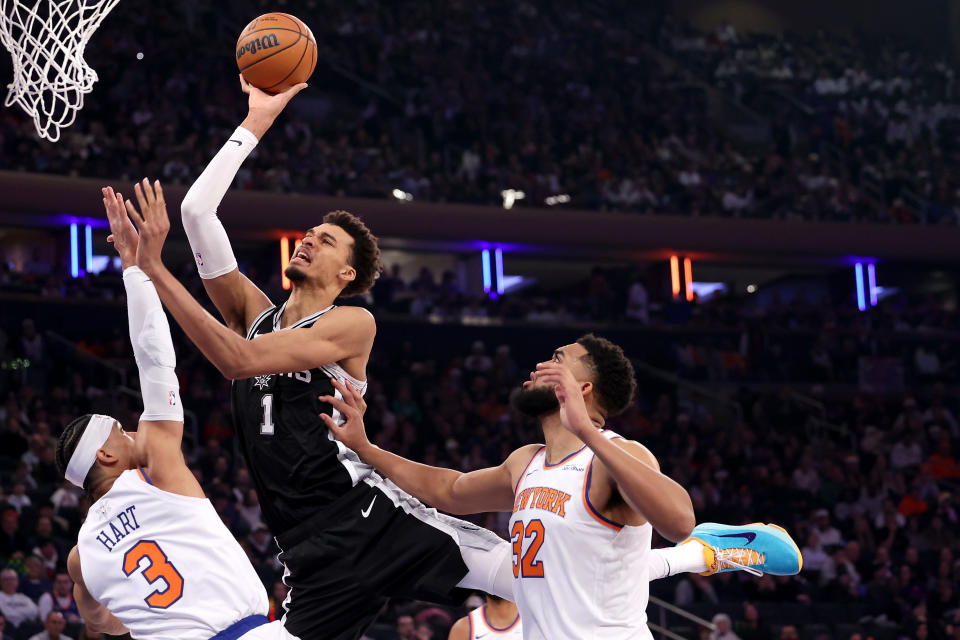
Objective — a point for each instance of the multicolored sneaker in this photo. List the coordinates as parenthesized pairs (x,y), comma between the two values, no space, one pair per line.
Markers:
(755,548)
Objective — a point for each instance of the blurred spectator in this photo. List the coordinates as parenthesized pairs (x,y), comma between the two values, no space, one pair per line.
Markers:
(723,630)
(12,539)
(52,628)
(35,583)
(906,453)
(752,627)
(405,628)
(19,498)
(789,632)
(828,534)
(638,303)
(60,599)
(478,361)
(15,606)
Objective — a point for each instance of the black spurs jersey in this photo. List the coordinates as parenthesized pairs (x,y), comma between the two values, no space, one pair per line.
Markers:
(295,463)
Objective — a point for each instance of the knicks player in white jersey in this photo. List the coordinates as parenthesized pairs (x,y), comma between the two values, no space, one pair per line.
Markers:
(584,504)
(153,558)
(497,619)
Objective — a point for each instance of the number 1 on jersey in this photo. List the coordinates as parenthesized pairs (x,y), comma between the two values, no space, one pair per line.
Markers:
(266,426)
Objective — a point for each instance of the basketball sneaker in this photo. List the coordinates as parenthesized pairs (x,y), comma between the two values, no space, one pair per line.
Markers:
(755,548)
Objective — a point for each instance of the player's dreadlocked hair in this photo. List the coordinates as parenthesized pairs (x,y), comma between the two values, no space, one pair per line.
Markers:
(365,257)
(614,383)
(67,444)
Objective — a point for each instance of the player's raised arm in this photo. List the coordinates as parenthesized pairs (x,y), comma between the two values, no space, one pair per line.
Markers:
(345,332)
(478,491)
(235,296)
(159,435)
(628,466)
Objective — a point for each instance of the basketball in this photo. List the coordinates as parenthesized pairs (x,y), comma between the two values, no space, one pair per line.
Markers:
(276,51)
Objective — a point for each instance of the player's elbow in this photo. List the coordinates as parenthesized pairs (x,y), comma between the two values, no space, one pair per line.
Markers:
(678,526)
(191,208)
(237,369)
(235,363)
(685,525)
(101,621)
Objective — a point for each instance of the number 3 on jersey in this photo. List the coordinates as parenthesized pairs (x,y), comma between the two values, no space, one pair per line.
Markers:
(158,567)
(526,564)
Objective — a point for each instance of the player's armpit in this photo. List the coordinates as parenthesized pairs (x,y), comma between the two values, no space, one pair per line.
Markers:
(96,616)
(159,448)
(460,629)
(238,300)
(649,495)
(344,332)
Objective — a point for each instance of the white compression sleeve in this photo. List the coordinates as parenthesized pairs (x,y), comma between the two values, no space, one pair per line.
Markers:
(687,558)
(153,349)
(208,239)
(489,570)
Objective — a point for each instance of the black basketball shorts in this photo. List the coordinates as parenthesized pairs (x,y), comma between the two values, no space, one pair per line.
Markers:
(373,543)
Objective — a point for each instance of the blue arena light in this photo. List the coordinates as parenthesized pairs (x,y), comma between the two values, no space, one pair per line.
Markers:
(872,283)
(485,257)
(74,252)
(861,295)
(498,256)
(88,263)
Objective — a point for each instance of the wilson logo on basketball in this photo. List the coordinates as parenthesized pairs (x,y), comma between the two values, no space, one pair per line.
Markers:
(258,44)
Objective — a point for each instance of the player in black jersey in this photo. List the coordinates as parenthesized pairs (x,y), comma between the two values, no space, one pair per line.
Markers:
(349,539)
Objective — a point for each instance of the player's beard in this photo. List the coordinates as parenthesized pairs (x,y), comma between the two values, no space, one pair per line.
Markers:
(534,401)
(294,273)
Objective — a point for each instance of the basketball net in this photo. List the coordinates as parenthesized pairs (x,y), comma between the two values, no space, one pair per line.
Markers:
(46,39)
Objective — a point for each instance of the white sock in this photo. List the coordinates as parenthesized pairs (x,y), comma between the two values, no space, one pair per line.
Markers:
(669,561)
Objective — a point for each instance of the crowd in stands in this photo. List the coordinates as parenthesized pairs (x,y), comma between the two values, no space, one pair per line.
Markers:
(786,336)
(888,109)
(875,506)
(458,102)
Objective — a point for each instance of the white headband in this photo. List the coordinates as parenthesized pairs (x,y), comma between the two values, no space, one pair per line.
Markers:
(94,435)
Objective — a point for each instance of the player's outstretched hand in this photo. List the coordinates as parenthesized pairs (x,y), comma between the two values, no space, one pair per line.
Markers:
(153,222)
(351,406)
(268,104)
(123,235)
(573,410)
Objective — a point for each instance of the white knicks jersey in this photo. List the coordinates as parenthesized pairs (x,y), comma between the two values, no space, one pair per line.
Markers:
(576,574)
(164,564)
(481,629)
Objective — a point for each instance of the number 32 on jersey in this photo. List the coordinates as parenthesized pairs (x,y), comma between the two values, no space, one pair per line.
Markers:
(526,565)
